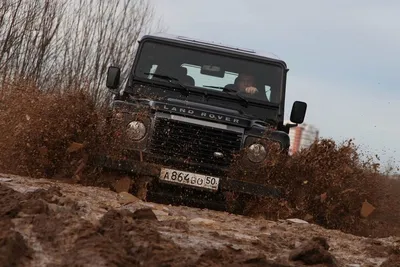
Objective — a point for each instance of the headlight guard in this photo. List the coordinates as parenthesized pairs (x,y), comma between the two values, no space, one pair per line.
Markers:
(257,149)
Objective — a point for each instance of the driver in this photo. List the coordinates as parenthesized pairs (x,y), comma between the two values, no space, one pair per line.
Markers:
(246,83)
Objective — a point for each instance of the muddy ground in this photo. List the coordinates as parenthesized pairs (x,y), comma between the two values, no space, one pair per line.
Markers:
(51,223)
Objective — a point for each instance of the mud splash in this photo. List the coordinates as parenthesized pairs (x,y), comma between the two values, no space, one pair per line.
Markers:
(55,135)
(39,127)
(327,184)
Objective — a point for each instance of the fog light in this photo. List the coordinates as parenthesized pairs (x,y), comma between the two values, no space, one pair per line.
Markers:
(136,130)
(256,153)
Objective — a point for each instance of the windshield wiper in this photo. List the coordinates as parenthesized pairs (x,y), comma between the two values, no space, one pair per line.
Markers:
(232,91)
(169,79)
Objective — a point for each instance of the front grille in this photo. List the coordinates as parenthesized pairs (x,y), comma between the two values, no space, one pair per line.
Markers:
(193,143)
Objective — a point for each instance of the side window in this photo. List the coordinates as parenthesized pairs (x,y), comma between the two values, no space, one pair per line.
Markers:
(201,80)
(268,92)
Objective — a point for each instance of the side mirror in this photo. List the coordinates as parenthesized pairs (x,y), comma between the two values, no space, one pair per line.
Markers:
(113,77)
(298,112)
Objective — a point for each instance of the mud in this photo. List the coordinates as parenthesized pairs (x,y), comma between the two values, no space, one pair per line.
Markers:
(13,249)
(52,223)
(314,251)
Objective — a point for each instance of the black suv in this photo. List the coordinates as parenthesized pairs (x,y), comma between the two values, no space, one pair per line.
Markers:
(198,117)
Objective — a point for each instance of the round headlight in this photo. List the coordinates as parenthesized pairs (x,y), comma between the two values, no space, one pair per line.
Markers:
(256,153)
(136,130)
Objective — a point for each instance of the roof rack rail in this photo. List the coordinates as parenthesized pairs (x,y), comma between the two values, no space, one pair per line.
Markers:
(215,44)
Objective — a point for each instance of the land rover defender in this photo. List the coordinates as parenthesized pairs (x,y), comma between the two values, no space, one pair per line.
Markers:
(196,119)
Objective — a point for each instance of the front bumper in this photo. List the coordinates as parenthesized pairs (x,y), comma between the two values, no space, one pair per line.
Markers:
(152,173)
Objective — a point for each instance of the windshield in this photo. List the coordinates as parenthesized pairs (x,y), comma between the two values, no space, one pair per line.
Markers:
(204,69)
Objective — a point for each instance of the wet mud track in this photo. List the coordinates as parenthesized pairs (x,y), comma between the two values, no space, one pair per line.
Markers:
(48,223)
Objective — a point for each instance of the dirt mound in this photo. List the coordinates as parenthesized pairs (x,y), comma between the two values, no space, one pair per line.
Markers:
(119,239)
(394,258)
(46,220)
(13,248)
(51,223)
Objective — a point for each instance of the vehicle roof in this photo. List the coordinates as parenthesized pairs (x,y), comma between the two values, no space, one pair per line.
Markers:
(219,46)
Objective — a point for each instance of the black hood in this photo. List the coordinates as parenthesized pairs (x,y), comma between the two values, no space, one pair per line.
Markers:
(197,110)
(213,101)
(204,111)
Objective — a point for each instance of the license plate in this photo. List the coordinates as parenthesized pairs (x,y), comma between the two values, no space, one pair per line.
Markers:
(189,179)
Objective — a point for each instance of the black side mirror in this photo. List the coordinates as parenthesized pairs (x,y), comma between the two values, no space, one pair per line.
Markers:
(113,77)
(298,112)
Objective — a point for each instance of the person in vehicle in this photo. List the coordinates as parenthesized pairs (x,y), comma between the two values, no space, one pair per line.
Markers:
(246,83)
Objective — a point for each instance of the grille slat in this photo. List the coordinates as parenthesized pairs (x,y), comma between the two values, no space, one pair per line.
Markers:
(178,139)
(197,143)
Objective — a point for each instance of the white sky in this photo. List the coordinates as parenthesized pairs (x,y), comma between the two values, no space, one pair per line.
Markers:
(343,56)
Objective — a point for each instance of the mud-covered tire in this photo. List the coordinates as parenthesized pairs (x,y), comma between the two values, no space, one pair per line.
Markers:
(238,204)
(140,187)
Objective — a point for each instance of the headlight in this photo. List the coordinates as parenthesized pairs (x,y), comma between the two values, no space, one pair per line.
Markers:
(136,130)
(256,153)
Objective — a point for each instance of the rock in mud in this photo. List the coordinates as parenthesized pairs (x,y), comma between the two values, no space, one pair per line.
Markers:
(5,179)
(366,209)
(314,251)
(144,214)
(9,202)
(122,185)
(202,221)
(295,220)
(126,198)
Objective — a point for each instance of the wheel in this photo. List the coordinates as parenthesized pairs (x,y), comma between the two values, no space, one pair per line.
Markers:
(236,202)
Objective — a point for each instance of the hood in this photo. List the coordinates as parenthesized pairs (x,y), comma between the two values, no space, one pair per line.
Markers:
(223,104)
(204,111)
(198,110)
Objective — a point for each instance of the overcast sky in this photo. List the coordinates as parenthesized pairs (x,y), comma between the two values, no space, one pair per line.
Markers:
(343,56)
